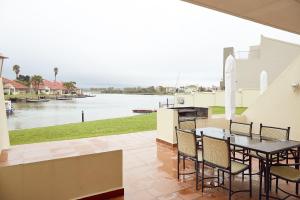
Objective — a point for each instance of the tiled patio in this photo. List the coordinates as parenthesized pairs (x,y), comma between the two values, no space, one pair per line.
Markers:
(149,167)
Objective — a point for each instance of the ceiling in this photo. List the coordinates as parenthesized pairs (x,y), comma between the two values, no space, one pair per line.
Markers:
(281,14)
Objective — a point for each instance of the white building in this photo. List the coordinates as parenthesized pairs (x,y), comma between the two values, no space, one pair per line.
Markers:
(271,55)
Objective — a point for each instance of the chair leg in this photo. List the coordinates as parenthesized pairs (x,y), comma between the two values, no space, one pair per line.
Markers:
(197,175)
(223,177)
(287,161)
(243,174)
(218,177)
(202,178)
(229,186)
(178,162)
(183,159)
(250,177)
(260,182)
(270,181)
(276,189)
(234,152)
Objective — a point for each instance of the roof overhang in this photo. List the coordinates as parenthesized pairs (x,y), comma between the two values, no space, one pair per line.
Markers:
(281,14)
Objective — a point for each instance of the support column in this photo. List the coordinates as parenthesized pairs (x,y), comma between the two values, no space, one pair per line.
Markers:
(4,136)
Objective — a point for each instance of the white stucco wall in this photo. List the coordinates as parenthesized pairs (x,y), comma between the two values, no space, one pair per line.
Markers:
(279,105)
(271,55)
(244,98)
(4,137)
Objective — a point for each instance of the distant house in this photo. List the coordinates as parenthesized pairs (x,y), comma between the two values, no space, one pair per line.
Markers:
(170,90)
(52,87)
(12,87)
(191,88)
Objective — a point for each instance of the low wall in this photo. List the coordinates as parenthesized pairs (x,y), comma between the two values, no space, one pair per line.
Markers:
(65,178)
(167,119)
(244,98)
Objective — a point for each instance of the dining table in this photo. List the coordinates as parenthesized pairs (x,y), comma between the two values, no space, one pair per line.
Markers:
(254,143)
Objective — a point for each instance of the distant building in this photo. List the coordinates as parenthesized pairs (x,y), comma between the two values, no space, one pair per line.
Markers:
(52,87)
(170,90)
(191,88)
(12,87)
(271,55)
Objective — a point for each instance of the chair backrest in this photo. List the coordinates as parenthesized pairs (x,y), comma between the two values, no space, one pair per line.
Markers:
(186,142)
(216,151)
(241,128)
(274,133)
(187,124)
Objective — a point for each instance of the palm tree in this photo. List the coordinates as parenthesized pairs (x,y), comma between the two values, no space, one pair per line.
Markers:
(55,72)
(16,69)
(36,80)
(70,86)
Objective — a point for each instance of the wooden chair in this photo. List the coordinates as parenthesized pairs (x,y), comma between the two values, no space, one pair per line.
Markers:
(245,129)
(189,124)
(271,133)
(188,149)
(216,154)
(286,172)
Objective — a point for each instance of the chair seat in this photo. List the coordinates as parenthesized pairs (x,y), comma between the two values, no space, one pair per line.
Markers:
(260,155)
(237,167)
(286,172)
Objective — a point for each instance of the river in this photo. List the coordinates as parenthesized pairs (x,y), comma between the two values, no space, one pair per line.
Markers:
(103,106)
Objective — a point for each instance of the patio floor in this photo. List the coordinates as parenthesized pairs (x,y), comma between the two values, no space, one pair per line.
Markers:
(149,167)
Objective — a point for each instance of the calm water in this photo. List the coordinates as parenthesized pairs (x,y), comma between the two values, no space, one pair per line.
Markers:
(103,106)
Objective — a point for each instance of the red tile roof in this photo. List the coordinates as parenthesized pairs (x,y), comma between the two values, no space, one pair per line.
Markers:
(15,84)
(53,85)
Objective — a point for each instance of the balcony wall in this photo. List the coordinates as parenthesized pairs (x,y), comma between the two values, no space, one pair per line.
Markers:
(65,178)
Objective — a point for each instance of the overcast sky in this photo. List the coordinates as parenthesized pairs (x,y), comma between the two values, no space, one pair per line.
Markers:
(123,42)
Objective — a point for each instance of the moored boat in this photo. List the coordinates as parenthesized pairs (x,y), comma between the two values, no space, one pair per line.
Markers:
(63,98)
(9,107)
(36,100)
(143,111)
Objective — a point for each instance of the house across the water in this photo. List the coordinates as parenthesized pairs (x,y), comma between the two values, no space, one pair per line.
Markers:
(52,87)
(12,87)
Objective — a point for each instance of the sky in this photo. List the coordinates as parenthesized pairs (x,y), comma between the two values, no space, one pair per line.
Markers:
(101,43)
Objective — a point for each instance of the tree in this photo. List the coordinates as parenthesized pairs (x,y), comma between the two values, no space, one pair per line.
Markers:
(55,72)
(16,69)
(36,81)
(70,86)
(24,79)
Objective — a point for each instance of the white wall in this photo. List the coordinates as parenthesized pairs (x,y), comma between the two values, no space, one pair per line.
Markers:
(271,55)
(65,178)
(244,98)
(279,105)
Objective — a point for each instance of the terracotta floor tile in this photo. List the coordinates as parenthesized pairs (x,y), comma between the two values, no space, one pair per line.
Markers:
(189,194)
(172,196)
(150,168)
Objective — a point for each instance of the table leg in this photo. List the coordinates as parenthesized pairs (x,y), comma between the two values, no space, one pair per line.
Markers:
(297,167)
(267,177)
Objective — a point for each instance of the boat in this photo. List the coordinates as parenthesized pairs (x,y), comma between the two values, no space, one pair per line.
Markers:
(63,98)
(143,111)
(9,107)
(90,95)
(80,96)
(36,100)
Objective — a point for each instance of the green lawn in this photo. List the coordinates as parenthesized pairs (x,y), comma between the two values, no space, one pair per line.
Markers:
(83,130)
(93,128)
(221,110)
